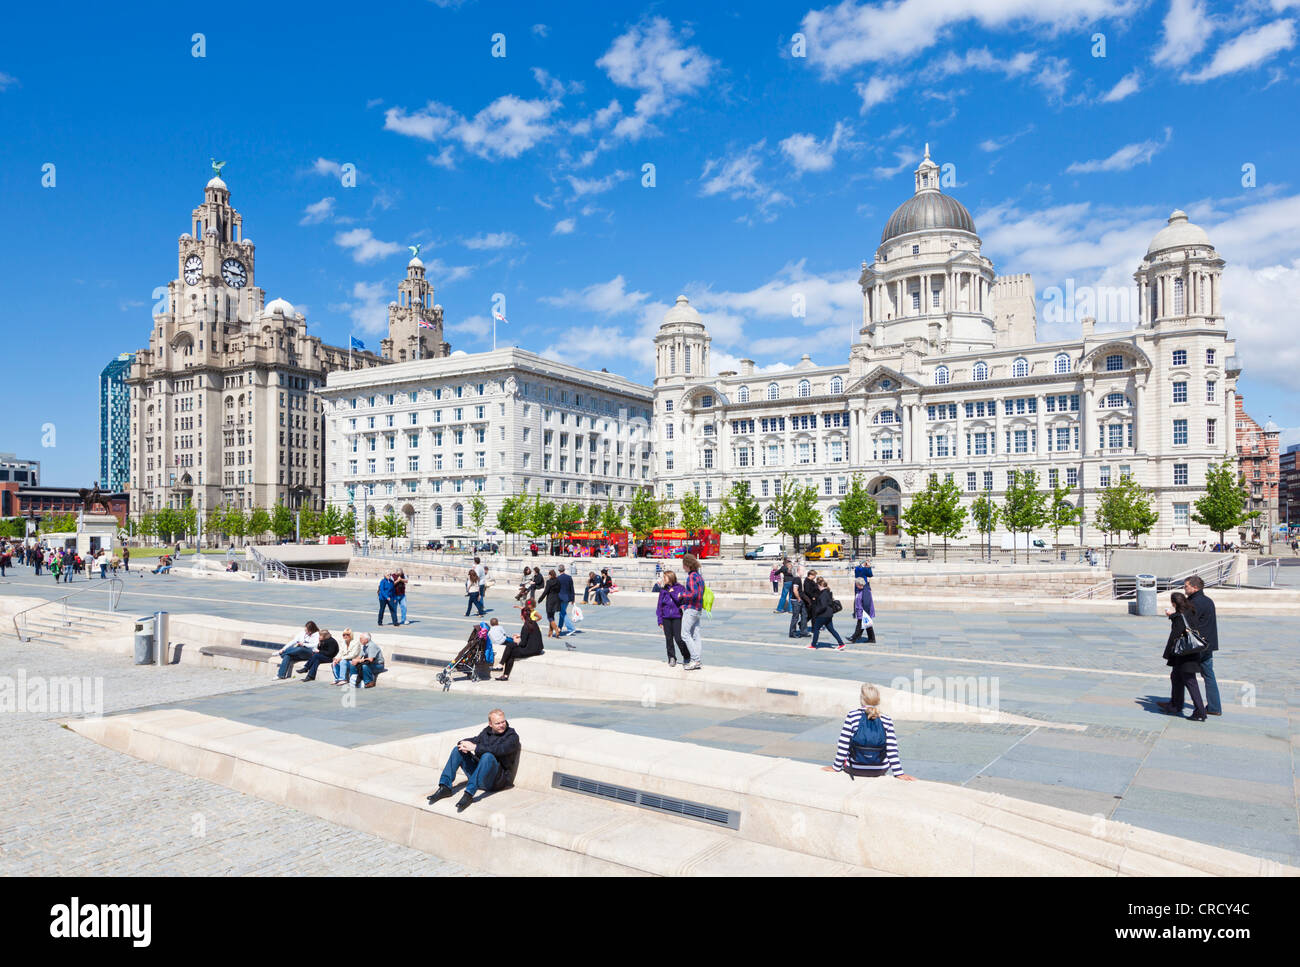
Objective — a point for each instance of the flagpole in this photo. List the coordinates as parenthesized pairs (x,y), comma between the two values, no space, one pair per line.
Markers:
(494,332)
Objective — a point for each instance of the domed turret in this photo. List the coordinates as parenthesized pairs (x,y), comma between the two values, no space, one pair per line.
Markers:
(279,307)
(682,344)
(928,208)
(1179,233)
(1180,275)
(682,312)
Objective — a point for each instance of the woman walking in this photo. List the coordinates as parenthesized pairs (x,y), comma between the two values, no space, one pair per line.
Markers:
(551,592)
(1183,668)
(824,614)
(474,593)
(399,596)
(863,610)
(868,746)
(669,614)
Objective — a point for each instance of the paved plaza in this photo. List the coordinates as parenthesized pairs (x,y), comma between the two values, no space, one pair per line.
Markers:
(1230,782)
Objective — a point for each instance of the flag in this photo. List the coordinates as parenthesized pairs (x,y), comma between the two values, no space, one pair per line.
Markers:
(356,343)
(496,314)
(425,325)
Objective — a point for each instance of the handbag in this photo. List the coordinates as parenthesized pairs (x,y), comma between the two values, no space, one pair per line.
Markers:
(1191,642)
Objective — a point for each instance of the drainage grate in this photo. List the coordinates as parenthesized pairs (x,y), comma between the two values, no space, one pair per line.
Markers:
(713,815)
(781,691)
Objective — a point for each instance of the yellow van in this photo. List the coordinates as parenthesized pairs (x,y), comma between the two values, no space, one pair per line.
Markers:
(824,552)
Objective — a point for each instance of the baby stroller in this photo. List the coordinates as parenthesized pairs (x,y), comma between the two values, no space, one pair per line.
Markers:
(471,660)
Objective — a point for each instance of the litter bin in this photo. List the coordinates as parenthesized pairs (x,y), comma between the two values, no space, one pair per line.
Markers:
(1146,594)
(144,641)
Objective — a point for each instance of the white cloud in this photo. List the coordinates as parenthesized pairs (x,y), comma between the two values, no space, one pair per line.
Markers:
(476,327)
(878,90)
(541,30)
(565,226)
(1249,49)
(1187,28)
(364,246)
(1128,84)
(538,200)
(444,158)
(851,34)
(491,240)
(993,144)
(736,176)
(806,153)
(324,166)
(369,308)
(317,212)
(607,298)
(649,58)
(982,59)
(506,128)
(904,158)
(441,272)
(7,80)
(595,186)
(1129,156)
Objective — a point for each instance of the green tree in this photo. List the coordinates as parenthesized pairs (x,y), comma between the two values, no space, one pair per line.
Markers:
(1223,507)
(331,521)
(308,522)
(1139,516)
(568,517)
(985,513)
(214,524)
(592,521)
(59,524)
(853,509)
(611,518)
(1112,513)
(170,524)
(391,526)
(645,515)
(478,511)
(349,525)
(281,521)
(1024,506)
(1061,514)
(947,515)
(148,525)
(259,522)
(694,514)
(236,524)
(511,514)
(918,516)
(189,520)
(740,514)
(541,518)
(806,518)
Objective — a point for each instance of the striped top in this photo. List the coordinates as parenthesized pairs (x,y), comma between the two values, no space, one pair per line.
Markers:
(846,736)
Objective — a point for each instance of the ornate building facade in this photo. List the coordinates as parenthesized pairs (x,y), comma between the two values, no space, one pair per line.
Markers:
(949,378)
(225,406)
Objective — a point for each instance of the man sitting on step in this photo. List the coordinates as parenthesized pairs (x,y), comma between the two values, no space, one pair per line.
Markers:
(489,760)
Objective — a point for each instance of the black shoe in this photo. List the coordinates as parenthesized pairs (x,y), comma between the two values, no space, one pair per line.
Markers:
(1168,708)
(465,800)
(442,792)
(1196,718)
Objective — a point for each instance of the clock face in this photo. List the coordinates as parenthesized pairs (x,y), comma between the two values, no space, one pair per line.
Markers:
(233,271)
(193,269)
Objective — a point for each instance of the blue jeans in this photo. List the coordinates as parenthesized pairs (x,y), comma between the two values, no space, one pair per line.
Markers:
(343,671)
(1213,704)
(296,653)
(475,601)
(314,662)
(784,604)
(482,771)
(565,624)
(820,623)
(391,606)
(369,672)
(602,595)
(401,607)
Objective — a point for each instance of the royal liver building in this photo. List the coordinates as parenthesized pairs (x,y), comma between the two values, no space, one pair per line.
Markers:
(949,377)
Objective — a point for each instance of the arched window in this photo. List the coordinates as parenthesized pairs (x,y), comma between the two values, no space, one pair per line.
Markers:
(459,513)
(1061,364)
(437,515)
(981,372)
(805,388)
(773,391)
(771,517)
(743,395)
(941,376)
(888,416)
(837,385)
(1020,367)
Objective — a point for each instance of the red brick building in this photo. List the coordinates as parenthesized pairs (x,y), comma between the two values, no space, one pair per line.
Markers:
(47,502)
(1258,465)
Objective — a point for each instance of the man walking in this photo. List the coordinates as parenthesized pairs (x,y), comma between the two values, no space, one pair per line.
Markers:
(808,593)
(126,558)
(386,599)
(566,597)
(786,576)
(1207,624)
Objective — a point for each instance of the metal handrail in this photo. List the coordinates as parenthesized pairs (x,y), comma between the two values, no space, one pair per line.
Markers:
(1094,590)
(1272,571)
(115,587)
(1222,568)
(271,566)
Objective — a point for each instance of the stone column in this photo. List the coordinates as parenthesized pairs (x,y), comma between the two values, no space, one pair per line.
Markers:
(1139,404)
(1086,419)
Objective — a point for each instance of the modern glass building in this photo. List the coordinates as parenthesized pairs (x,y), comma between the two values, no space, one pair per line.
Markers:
(115,425)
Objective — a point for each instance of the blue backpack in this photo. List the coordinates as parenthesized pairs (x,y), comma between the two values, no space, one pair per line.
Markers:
(867,747)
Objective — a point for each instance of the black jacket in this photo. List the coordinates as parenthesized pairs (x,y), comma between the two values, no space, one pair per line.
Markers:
(552,594)
(1207,623)
(808,592)
(529,644)
(1192,662)
(823,608)
(506,749)
(328,647)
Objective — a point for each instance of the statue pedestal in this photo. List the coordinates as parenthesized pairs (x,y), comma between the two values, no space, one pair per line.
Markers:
(96,531)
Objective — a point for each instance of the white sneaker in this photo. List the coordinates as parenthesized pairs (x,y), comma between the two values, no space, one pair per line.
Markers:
(692,666)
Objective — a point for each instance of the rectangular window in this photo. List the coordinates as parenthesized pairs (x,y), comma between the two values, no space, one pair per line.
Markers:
(1072,476)
(1209,357)
(970,481)
(916,300)
(988,479)
(1209,390)
(1181,515)
(1180,433)
(413,464)
(764,488)
(981,444)
(1115,435)
(1053,477)
(1180,391)
(1209,430)
(1022,441)
(708,459)
(1180,475)
(1180,357)
(1103,476)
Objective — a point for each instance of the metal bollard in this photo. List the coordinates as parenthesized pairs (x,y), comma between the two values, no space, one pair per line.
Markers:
(161,635)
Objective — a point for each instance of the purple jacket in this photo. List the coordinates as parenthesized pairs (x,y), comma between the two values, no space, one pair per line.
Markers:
(670,603)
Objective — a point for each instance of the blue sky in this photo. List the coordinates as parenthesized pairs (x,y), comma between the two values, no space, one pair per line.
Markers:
(781,139)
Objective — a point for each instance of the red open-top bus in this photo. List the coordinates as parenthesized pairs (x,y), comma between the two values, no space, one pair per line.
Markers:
(590,543)
(674,542)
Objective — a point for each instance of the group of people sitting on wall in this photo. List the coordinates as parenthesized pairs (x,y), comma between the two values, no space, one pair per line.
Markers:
(358,661)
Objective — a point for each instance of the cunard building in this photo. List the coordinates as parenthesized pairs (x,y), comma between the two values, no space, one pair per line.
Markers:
(224,401)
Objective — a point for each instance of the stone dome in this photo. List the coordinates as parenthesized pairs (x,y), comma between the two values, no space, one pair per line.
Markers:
(216,182)
(683,312)
(928,209)
(1179,233)
(415,262)
(278,307)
